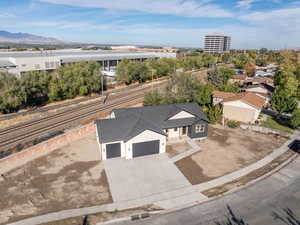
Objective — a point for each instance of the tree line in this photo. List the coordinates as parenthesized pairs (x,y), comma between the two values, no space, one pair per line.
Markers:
(287,86)
(41,87)
(140,71)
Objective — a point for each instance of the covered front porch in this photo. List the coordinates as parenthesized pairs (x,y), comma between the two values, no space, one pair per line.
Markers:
(177,132)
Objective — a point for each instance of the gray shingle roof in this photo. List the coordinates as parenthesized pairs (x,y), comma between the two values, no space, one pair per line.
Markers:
(130,122)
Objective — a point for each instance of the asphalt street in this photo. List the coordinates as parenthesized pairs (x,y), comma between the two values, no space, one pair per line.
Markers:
(256,204)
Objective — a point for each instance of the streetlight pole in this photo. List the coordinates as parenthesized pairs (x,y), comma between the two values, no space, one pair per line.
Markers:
(102,85)
(100,74)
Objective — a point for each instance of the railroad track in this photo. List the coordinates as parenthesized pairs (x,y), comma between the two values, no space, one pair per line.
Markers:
(32,130)
(67,111)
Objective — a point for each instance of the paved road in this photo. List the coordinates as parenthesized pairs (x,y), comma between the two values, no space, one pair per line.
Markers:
(254,204)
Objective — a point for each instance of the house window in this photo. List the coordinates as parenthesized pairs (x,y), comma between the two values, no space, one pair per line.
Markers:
(167,130)
(175,129)
(200,128)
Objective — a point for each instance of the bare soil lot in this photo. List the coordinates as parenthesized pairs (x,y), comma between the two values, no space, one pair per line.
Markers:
(249,177)
(175,149)
(70,177)
(227,150)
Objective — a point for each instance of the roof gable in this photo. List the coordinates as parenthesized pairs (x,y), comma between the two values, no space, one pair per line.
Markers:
(182,115)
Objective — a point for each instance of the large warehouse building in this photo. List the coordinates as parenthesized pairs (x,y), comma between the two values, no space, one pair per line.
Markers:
(18,62)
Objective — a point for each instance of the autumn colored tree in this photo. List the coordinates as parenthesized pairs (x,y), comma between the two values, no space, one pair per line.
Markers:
(250,69)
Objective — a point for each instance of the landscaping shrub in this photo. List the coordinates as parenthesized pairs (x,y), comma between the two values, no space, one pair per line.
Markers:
(233,124)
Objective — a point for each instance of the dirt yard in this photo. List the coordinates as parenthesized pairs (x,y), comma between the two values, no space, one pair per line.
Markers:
(177,148)
(70,177)
(227,150)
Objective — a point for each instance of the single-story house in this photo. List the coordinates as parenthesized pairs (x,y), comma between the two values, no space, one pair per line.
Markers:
(238,79)
(261,80)
(244,107)
(261,88)
(140,131)
(219,96)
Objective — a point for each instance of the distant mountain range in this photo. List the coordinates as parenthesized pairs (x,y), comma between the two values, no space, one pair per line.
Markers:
(25,38)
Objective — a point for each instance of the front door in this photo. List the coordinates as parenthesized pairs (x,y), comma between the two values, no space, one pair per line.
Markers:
(184,130)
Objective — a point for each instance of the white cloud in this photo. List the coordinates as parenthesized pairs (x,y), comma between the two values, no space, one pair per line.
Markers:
(281,20)
(186,8)
(246,4)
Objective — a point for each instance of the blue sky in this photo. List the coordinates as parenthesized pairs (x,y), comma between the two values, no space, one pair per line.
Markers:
(251,23)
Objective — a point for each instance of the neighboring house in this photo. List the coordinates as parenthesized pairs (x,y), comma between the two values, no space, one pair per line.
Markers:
(219,96)
(262,89)
(264,74)
(244,107)
(134,132)
(238,79)
(260,80)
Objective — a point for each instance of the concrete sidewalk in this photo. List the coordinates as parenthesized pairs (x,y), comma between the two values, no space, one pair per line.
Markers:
(194,148)
(167,199)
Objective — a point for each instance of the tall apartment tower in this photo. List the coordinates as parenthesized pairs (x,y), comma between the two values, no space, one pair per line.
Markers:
(217,43)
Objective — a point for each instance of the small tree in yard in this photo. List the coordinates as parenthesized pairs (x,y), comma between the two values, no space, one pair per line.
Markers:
(295,121)
(214,113)
(203,94)
(153,98)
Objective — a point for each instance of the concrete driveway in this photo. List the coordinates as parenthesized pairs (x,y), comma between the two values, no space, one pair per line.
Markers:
(143,177)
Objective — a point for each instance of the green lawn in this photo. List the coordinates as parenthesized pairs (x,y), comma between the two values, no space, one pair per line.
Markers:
(281,125)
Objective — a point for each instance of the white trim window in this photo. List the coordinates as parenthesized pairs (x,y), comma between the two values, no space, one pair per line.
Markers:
(200,128)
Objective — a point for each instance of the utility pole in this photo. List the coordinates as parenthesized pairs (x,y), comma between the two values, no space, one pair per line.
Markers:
(100,74)
(102,84)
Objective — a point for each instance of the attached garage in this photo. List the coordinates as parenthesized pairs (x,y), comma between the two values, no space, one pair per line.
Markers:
(145,148)
(113,150)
